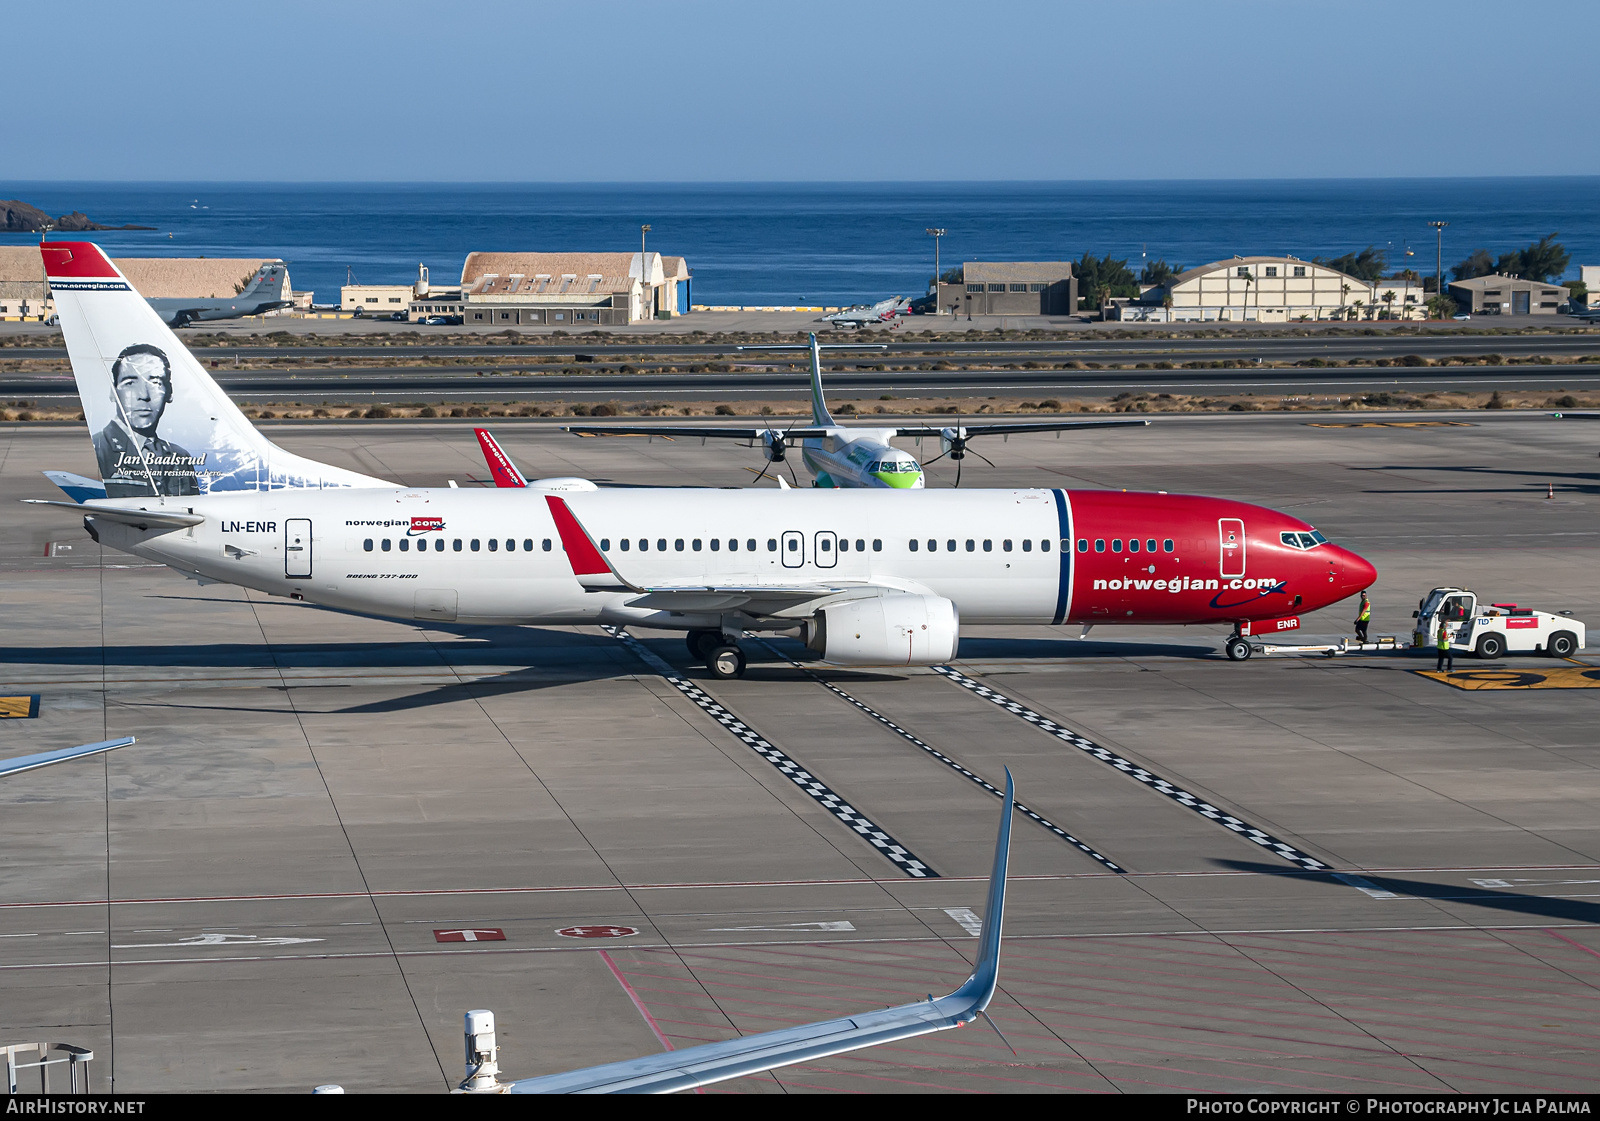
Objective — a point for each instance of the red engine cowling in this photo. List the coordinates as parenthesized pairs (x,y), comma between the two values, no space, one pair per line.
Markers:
(899,629)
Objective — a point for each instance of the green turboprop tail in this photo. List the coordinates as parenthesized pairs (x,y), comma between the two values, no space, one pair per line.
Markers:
(819,406)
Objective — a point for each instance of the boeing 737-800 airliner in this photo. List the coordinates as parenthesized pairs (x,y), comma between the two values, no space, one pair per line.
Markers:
(865,576)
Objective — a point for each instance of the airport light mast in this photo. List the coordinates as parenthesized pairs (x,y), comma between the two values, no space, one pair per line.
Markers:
(936,232)
(642,231)
(1438,259)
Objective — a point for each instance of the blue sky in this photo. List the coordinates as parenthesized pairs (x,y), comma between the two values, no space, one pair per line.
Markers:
(686,91)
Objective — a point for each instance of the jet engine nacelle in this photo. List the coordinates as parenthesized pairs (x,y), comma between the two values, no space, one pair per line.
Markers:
(900,629)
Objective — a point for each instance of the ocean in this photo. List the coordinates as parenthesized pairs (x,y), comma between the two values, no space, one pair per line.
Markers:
(821,243)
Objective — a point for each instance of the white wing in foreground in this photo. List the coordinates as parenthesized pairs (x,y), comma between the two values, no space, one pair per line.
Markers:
(45,758)
(735,1058)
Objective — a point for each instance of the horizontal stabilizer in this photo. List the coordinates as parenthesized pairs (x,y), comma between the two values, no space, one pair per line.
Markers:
(143,519)
(61,755)
(78,487)
(716,1062)
(694,432)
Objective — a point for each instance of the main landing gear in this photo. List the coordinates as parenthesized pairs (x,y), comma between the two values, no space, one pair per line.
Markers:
(723,659)
(1237,647)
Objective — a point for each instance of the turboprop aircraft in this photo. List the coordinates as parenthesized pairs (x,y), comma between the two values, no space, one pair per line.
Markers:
(264,293)
(866,578)
(840,456)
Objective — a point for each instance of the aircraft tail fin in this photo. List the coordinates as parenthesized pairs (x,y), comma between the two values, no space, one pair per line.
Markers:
(500,466)
(161,426)
(819,405)
(268,282)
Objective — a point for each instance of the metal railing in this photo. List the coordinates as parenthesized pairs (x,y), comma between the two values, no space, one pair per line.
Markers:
(72,1056)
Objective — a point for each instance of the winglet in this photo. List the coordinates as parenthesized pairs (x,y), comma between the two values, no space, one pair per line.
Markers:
(500,466)
(986,972)
(589,564)
(671,1071)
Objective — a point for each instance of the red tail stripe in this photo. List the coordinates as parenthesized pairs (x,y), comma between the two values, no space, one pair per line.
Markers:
(500,466)
(70,259)
(586,560)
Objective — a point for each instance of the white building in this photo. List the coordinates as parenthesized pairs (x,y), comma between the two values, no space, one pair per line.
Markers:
(572,289)
(1591,279)
(1259,290)
(375,299)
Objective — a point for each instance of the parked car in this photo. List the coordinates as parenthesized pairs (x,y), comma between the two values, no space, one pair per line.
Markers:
(1462,318)
(398,316)
(440,320)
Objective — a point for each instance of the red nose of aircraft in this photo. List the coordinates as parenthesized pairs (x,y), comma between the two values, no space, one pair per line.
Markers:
(1351,573)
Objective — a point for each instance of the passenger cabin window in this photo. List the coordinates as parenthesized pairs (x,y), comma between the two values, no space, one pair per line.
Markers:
(1027,544)
(457,545)
(511,544)
(750,544)
(772,544)
(527,545)
(972,545)
(367,544)
(625,543)
(1133,545)
(988,545)
(950,545)
(824,545)
(547,544)
(1166,546)
(677,545)
(733,544)
(1099,544)
(386,544)
(877,544)
(1083,544)
(605,545)
(1006,544)
(475,544)
(913,544)
(494,544)
(716,544)
(1044,546)
(1116,544)
(933,546)
(405,546)
(695,544)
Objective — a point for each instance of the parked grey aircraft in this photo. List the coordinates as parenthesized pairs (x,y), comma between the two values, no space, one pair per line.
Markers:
(262,294)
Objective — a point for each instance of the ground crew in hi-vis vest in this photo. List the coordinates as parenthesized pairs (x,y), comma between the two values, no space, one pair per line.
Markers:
(1363,618)
(1446,660)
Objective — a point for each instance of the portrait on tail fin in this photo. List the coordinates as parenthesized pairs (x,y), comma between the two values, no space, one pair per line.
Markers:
(133,456)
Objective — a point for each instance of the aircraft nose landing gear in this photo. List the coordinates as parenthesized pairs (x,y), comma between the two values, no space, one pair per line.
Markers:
(1237,648)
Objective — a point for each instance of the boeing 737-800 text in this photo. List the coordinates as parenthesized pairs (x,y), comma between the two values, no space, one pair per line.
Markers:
(865,576)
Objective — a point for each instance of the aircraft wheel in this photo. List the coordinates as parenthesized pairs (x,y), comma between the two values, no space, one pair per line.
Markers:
(700,643)
(1237,649)
(725,661)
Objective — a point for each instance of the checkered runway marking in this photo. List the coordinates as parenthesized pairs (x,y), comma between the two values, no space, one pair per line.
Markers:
(1133,770)
(945,759)
(815,788)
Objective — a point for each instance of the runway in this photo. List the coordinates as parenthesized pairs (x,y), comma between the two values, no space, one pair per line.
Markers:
(389,385)
(266,892)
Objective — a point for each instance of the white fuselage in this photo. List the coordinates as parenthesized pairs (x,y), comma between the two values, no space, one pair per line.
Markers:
(378,551)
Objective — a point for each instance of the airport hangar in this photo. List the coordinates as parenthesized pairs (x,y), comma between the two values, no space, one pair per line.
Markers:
(25,295)
(1266,289)
(337,833)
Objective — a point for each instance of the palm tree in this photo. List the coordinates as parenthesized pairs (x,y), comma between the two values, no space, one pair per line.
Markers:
(1388,298)
(1344,298)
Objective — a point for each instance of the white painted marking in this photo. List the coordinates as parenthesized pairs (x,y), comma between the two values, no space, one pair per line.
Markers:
(834,926)
(1530,883)
(1492,883)
(1366,887)
(219,940)
(968,919)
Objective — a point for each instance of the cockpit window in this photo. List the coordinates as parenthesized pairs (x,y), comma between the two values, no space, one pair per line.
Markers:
(1308,539)
(1296,540)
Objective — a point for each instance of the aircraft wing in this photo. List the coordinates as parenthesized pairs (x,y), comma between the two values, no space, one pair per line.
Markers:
(61,755)
(500,466)
(596,573)
(144,519)
(752,1054)
(1022,426)
(1576,416)
(690,432)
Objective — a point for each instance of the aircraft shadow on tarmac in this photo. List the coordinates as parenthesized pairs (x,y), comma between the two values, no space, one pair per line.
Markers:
(1540,906)
(1572,482)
